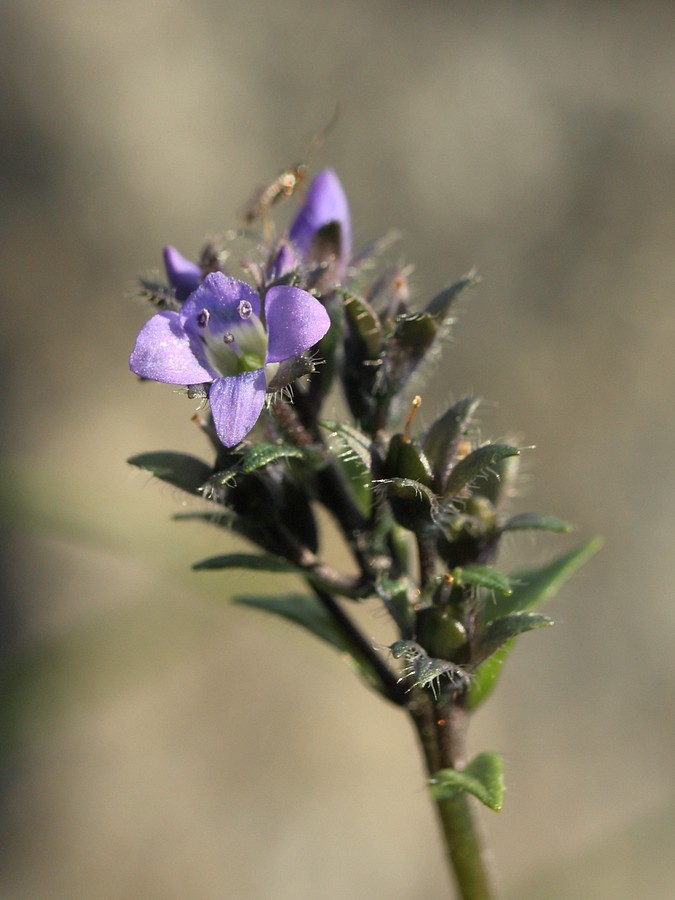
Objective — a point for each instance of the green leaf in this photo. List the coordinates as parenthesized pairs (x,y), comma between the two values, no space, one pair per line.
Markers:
(493,650)
(263,454)
(536,522)
(502,630)
(252,561)
(533,587)
(486,676)
(307,611)
(483,777)
(529,589)
(482,576)
(269,563)
(475,464)
(441,302)
(179,469)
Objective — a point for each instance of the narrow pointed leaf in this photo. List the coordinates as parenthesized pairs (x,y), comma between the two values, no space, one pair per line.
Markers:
(299,608)
(486,676)
(536,522)
(263,454)
(179,469)
(252,561)
(475,464)
(307,611)
(499,631)
(530,589)
(483,576)
(483,777)
(533,587)
(319,577)
(441,303)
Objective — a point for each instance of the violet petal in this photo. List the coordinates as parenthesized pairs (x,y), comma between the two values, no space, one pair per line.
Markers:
(325,202)
(163,352)
(236,403)
(183,274)
(220,295)
(295,322)
(284,262)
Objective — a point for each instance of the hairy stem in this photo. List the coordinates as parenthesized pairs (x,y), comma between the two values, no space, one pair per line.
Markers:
(441,727)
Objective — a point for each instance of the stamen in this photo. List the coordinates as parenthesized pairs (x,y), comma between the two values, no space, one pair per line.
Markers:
(228,337)
(245,309)
(203,318)
(416,403)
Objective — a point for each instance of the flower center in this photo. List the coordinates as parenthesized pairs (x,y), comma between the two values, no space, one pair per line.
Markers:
(234,342)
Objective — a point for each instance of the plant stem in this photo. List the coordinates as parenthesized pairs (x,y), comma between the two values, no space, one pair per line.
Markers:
(440,727)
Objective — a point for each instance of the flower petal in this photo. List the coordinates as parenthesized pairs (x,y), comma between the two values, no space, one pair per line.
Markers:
(183,274)
(163,352)
(284,262)
(220,295)
(325,202)
(295,322)
(236,403)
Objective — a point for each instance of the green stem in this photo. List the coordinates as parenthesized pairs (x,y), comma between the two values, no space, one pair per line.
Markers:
(440,727)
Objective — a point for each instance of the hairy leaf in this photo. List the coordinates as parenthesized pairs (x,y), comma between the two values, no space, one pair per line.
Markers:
(483,777)
(179,469)
(475,464)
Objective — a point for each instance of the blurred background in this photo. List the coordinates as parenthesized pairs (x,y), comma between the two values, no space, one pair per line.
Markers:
(159,743)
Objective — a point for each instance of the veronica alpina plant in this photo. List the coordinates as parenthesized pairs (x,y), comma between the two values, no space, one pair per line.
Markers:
(422,514)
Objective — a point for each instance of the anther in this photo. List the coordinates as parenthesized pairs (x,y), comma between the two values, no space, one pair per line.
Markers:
(203,318)
(228,337)
(244,309)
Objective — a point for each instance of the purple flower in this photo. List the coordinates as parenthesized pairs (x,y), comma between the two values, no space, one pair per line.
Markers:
(325,202)
(183,275)
(220,336)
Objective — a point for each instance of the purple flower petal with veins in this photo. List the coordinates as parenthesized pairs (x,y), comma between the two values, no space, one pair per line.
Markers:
(220,336)
(236,404)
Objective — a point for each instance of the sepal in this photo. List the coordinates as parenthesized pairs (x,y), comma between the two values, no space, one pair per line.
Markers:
(440,304)
(476,464)
(442,439)
(405,459)
(413,505)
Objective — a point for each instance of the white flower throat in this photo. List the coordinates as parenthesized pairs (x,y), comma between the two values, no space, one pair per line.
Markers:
(234,342)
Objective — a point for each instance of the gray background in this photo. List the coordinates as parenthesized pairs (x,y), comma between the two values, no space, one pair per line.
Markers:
(161,744)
